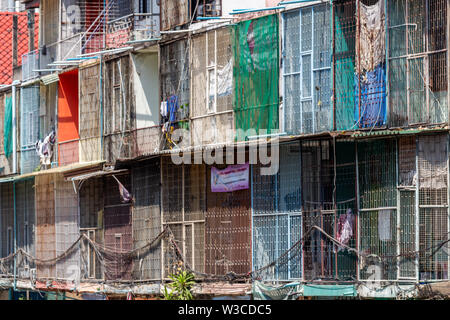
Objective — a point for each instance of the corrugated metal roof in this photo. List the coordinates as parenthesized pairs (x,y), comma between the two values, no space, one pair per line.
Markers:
(94,174)
(51,78)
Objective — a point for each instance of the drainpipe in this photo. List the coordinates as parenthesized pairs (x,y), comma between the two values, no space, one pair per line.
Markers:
(14,125)
(15,236)
(101,107)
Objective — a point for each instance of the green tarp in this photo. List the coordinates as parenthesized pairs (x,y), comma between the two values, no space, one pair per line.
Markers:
(290,291)
(329,290)
(256,70)
(7,127)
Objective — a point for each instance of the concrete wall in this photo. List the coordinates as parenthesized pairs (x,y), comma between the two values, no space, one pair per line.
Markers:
(146,89)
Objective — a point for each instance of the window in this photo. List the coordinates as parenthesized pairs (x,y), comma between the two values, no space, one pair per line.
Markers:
(418,61)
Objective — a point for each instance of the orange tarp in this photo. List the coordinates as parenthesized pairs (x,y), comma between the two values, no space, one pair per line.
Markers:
(68,106)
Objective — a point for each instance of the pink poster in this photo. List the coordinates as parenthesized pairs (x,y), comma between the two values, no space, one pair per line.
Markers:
(233,178)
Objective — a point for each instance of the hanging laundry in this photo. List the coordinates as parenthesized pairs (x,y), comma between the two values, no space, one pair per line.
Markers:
(125,196)
(172,104)
(45,148)
(345,228)
(163,109)
(225,80)
(370,65)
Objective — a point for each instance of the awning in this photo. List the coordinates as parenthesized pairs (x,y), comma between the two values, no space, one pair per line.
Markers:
(94,174)
(51,78)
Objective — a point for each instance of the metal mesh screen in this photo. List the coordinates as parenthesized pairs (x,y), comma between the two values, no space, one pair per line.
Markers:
(7,219)
(256,73)
(227,236)
(183,207)
(89,124)
(212,87)
(307,70)
(277,221)
(378,207)
(147,219)
(91,224)
(67,229)
(417,61)
(26,223)
(29,128)
(118,229)
(433,206)
(45,224)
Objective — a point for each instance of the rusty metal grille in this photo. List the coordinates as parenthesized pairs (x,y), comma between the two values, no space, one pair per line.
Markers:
(433,206)
(7,219)
(45,224)
(147,219)
(89,123)
(184,207)
(26,222)
(175,72)
(91,225)
(68,153)
(67,229)
(227,236)
(118,229)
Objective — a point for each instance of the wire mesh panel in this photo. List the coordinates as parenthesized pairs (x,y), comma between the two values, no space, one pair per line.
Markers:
(175,88)
(91,224)
(317,182)
(344,62)
(29,128)
(119,110)
(183,207)
(328,180)
(67,229)
(346,210)
(277,221)
(418,82)
(26,223)
(147,219)
(45,224)
(90,131)
(407,233)
(433,206)
(118,229)
(256,71)
(174,13)
(378,208)
(307,70)
(212,87)
(407,181)
(126,23)
(68,153)
(7,223)
(360,66)
(227,230)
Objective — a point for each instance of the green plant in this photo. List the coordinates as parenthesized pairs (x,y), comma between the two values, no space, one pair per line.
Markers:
(180,287)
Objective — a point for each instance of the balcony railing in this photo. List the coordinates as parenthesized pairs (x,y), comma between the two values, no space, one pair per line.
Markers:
(133,27)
